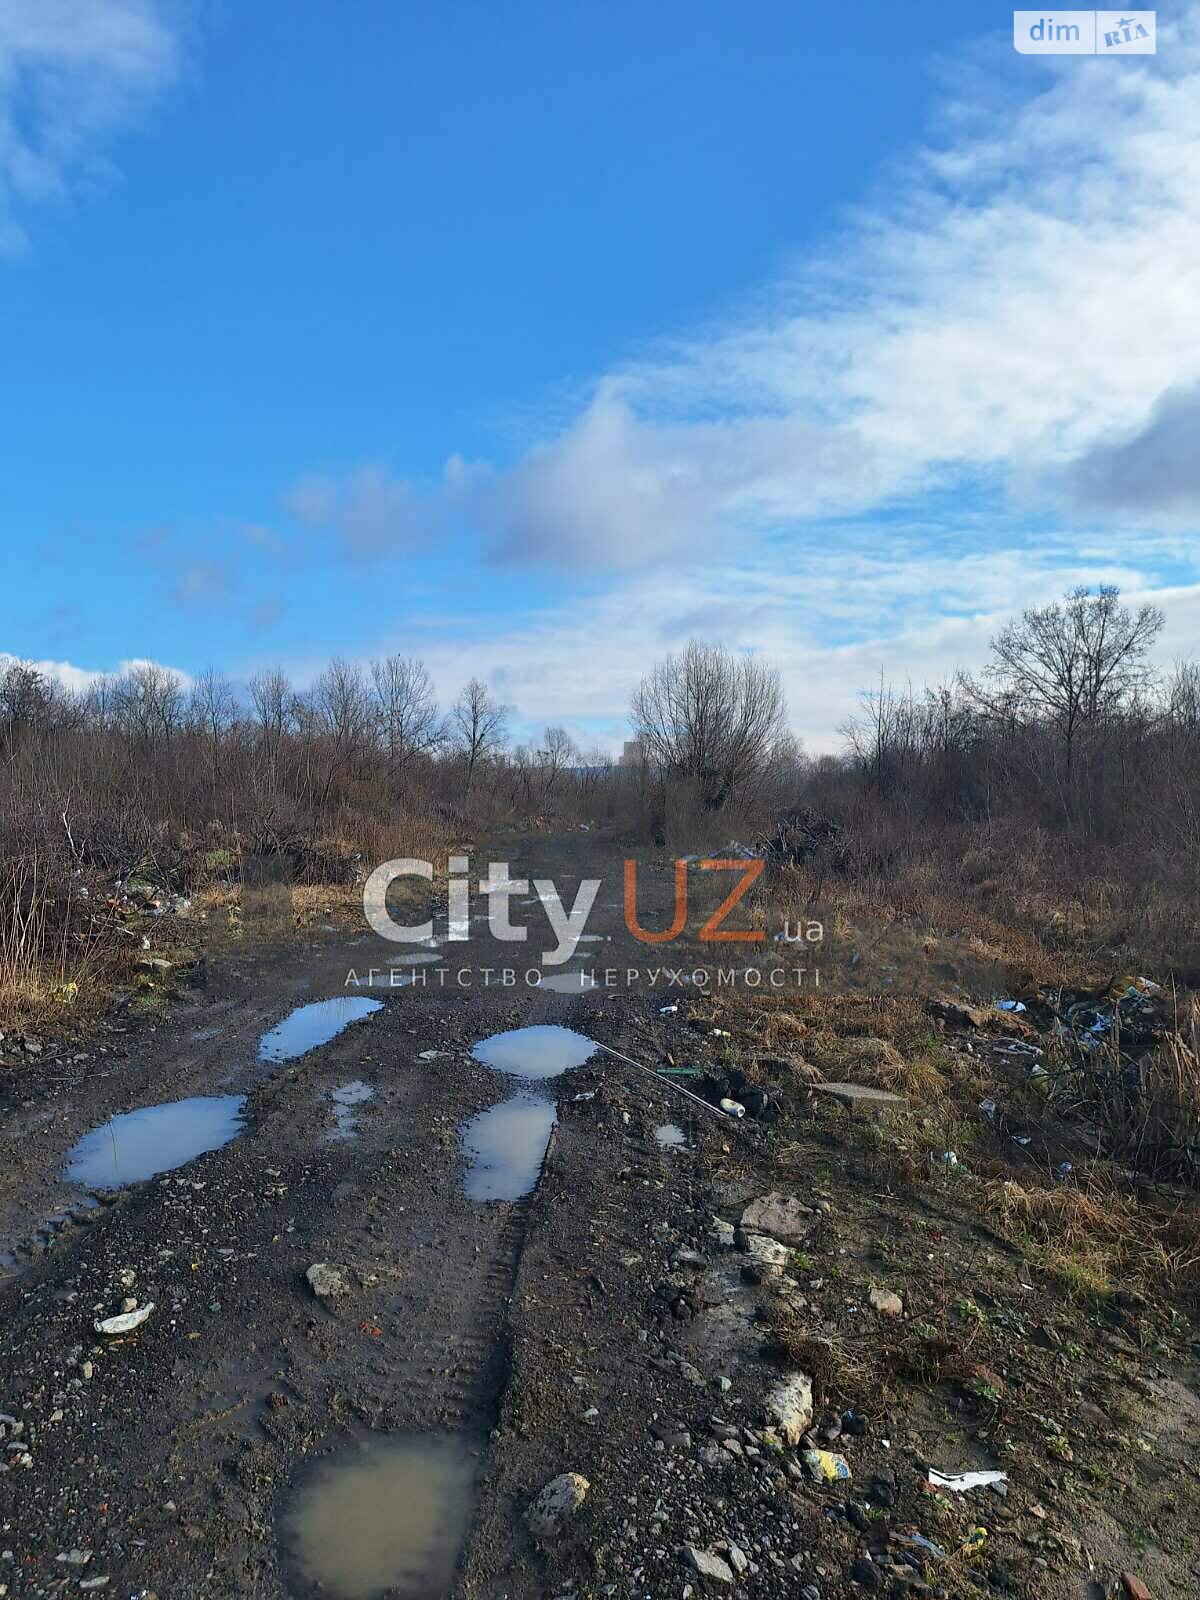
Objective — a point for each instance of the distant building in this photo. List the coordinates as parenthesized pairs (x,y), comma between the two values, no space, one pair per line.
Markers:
(632,754)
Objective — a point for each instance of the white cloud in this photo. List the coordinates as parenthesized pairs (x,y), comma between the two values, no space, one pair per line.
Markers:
(73,73)
(1020,294)
(79,679)
(832,622)
(373,512)
(1012,299)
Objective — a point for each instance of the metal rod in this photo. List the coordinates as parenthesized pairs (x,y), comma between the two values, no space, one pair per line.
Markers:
(668,1083)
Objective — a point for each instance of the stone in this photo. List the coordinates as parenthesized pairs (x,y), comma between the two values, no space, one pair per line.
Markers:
(960,1015)
(707,1564)
(886,1302)
(1134,1587)
(688,1258)
(861,1097)
(790,1407)
(866,1574)
(783,1216)
(767,1252)
(721,1233)
(327,1282)
(737,1559)
(556,1504)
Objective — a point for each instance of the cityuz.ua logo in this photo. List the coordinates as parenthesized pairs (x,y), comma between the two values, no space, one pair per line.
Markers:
(1084,33)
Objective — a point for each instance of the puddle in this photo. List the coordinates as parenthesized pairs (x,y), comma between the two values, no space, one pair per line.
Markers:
(507,1145)
(670,1135)
(539,1052)
(345,1099)
(567,982)
(389,1517)
(140,1144)
(311,1025)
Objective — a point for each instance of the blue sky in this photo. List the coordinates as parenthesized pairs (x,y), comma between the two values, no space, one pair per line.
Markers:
(533,340)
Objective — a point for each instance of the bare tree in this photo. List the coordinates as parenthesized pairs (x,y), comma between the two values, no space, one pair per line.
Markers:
(409,722)
(557,752)
(712,716)
(213,709)
(274,703)
(148,702)
(1074,663)
(479,725)
(341,706)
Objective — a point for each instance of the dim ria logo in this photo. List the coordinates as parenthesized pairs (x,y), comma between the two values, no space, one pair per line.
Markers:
(1084,33)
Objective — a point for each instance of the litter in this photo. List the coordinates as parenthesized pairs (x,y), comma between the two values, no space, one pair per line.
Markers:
(732,1108)
(822,1464)
(1023,1139)
(1010,1005)
(988,1107)
(960,1482)
(948,1158)
(973,1543)
(1063,1171)
(667,1011)
(125,1323)
(920,1542)
(585,1094)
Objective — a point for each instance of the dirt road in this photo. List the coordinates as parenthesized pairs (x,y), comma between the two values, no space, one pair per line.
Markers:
(167,1458)
(528,1281)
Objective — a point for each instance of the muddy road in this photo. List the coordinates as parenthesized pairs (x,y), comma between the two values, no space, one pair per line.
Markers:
(347,1126)
(420,1249)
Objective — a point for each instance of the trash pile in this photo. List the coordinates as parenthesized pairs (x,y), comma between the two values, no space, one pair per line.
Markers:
(801,836)
(1127,1014)
(736,1095)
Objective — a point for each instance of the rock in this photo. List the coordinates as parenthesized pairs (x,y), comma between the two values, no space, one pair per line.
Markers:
(688,1258)
(862,1097)
(157,966)
(556,1504)
(886,1302)
(327,1281)
(960,1015)
(767,1252)
(1092,1415)
(790,1407)
(721,1233)
(707,1564)
(1134,1587)
(781,1215)
(31,1044)
(866,1574)
(737,1559)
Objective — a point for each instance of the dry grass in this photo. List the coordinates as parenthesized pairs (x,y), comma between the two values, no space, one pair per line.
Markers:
(880,1064)
(52,946)
(1097,1239)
